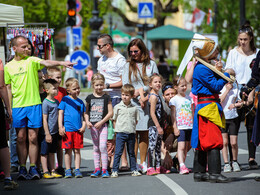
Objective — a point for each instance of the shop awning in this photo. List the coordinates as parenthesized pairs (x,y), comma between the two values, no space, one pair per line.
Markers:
(169,32)
(120,38)
(10,14)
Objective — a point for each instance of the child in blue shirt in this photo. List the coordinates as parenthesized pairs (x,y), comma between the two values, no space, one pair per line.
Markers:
(72,125)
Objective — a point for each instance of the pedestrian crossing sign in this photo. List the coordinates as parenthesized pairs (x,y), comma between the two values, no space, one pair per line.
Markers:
(145,10)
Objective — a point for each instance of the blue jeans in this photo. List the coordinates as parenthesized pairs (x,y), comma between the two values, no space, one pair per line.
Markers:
(13,153)
(115,101)
(121,139)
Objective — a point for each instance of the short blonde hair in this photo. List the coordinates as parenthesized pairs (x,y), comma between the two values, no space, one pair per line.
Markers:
(96,77)
(128,88)
(70,81)
(52,70)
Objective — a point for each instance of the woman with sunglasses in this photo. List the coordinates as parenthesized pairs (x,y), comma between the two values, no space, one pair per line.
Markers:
(136,72)
(239,60)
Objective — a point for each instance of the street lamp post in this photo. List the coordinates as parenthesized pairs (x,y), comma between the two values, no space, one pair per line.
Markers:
(95,22)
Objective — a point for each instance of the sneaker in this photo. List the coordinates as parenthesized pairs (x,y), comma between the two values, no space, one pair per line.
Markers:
(114,174)
(77,173)
(236,167)
(184,170)
(158,170)
(10,184)
(95,174)
(252,164)
(68,173)
(56,175)
(47,175)
(22,173)
(105,174)
(60,171)
(227,168)
(33,173)
(151,171)
(2,176)
(13,169)
(143,167)
(135,173)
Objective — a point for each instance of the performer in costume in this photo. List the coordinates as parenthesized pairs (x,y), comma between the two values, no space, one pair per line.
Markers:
(208,118)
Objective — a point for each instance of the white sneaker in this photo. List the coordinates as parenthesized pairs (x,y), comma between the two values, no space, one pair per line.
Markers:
(144,167)
(227,168)
(135,173)
(114,174)
(236,167)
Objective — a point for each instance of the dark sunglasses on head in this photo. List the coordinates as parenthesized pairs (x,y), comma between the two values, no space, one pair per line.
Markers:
(135,51)
(245,30)
(166,87)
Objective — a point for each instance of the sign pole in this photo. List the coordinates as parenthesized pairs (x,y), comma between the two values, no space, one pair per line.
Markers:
(145,33)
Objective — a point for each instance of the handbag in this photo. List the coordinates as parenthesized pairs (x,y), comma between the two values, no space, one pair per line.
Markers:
(110,131)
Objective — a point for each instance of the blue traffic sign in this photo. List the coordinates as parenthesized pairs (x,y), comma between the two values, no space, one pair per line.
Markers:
(81,58)
(77,36)
(145,10)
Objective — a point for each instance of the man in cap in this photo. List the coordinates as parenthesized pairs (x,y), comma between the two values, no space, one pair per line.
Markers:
(208,117)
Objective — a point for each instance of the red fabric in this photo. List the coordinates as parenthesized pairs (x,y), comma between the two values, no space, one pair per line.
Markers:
(210,136)
(72,140)
(62,92)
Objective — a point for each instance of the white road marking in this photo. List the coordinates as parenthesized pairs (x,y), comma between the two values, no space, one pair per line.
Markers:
(171,184)
(252,175)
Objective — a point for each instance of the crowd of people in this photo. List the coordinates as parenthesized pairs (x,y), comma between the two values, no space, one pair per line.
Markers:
(131,109)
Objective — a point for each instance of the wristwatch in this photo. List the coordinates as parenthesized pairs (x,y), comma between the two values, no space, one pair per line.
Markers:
(107,85)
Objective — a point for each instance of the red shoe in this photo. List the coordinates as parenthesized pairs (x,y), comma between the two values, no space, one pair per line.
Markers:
(151,171)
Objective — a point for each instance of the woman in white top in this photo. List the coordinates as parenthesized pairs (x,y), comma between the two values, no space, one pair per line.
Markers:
(239,60)
(136,72)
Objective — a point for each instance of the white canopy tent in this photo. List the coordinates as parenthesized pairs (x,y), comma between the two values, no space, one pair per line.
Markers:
(10,14)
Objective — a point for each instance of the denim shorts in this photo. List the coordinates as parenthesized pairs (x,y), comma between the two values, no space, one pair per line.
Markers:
(30,116)
(185,135)
(47,148)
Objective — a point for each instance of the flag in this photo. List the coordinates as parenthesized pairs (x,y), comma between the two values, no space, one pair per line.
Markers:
(209,18)
(198,16)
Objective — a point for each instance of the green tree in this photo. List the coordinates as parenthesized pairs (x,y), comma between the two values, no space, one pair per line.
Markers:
(228,19)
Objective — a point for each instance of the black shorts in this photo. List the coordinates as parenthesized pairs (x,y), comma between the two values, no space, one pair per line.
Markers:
(47,148)
(232,126)
(3,141)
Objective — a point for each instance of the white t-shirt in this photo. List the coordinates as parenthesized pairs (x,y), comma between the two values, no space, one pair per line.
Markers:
(240,63)
(230,99)
(184,117)
(112,69)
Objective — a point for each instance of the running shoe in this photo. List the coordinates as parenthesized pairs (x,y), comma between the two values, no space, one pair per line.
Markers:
(142,167)
(10,184)
(33,173)
(2,176)
(22,173)
(252,164)
(236,167)
(151,171)
(184,170)
(47,175)
(95,174)
(68,173)
(135,173)
(60,170)
(56,175)
(77,173)
(105,174)
(227,168)
(14,169)
(114,174)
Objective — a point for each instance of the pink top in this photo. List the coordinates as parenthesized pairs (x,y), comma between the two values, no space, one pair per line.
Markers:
(90,74)
(1,65)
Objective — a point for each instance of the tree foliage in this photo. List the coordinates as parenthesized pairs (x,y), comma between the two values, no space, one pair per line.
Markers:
(54,12)
(228,19)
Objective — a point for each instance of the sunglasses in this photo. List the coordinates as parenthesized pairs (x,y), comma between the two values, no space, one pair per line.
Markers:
(135,51)
(245,30)
(101,46)
(166,87)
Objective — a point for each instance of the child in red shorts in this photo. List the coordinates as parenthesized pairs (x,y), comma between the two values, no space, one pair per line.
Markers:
(72,125)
